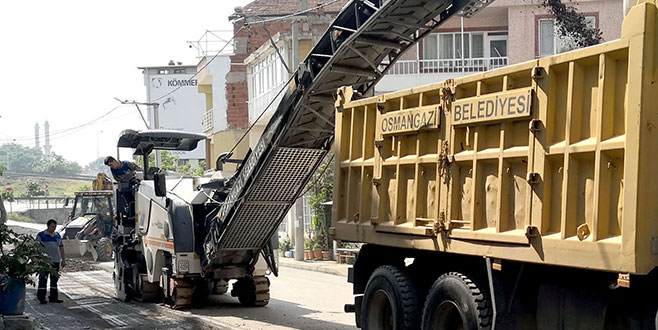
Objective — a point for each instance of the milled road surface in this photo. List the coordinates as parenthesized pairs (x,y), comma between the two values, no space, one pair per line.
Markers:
(299,300)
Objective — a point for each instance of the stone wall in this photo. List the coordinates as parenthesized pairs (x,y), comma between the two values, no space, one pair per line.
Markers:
(43,215)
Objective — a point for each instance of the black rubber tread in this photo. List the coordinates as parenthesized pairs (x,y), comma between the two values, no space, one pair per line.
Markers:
(477,298)
(252,292)
(183,291)
(147,291)
(404,292)
(262,293)
(101,249)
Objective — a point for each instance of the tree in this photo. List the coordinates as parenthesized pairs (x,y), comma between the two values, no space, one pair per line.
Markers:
(56,164)
(34,190)
(321,189)
(170,163)
(3,211)
(19,158)
(99,166)
(572,25)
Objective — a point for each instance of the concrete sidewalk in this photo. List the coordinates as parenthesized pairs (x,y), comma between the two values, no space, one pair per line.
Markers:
(327,267)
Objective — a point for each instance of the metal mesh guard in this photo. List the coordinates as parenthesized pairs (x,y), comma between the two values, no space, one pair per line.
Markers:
(250,228)
(281,181)
(285,174)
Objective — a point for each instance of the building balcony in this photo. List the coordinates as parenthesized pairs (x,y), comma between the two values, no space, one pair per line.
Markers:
(208,121)
(259,103)
(412,73)
(430,66)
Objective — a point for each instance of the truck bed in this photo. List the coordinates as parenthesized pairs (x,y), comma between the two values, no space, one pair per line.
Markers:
(549,161)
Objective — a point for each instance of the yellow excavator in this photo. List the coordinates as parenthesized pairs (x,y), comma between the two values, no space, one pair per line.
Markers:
(89,227)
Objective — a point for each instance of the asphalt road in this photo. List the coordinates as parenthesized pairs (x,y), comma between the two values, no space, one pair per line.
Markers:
(300,299)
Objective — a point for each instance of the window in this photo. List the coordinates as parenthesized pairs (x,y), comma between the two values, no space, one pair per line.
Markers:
(459,38)
(477,41)
(448,46)
(498,48)
(430,48)
(550,40)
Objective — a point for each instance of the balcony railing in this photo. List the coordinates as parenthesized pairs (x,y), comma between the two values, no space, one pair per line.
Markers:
(207,121)
(447,65)
(258,104)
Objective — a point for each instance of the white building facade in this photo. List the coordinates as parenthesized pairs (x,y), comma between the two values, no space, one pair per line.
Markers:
(181,107)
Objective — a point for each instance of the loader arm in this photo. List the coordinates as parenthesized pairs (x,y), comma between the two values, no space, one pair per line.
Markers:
(357,49)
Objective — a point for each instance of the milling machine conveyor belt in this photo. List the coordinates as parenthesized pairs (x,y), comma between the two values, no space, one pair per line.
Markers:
(357,49)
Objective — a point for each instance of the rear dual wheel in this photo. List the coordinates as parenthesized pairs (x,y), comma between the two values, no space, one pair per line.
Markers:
(390,301)
(455,302)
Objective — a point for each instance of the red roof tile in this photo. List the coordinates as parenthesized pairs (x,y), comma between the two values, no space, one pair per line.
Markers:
(284,7)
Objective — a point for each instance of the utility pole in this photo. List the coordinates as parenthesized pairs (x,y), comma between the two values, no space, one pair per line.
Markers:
(299,204)
(156,122)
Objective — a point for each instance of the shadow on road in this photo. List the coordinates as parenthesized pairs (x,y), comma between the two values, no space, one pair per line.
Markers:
(277,312)
(101,312)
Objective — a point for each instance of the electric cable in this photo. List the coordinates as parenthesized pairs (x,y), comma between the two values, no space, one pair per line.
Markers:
(247,24)
(55,134)
(203,67)
(284,87)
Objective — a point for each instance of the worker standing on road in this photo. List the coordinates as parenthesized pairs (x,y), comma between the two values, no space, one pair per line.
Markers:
(122,171)
(53,246)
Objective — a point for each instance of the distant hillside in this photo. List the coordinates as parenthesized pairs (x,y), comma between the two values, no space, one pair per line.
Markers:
(56,187)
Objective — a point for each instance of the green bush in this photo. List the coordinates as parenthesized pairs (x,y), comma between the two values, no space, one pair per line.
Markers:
(284,244)
(85,187)
(21,256)
(308,243)
(19,217)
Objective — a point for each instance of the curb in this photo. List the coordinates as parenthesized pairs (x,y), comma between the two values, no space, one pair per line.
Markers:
(309,266)
(315,268)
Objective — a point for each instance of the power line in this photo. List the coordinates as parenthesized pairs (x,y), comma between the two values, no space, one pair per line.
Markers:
(203,67)
(263,112)
(247,24)
(70,129)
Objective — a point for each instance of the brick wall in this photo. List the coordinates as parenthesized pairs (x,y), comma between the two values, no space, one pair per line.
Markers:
(246,42)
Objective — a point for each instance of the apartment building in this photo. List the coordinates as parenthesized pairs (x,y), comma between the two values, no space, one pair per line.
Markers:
(506,32)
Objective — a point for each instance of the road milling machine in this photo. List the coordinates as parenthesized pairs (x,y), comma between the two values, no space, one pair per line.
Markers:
(160,228)
(183,238)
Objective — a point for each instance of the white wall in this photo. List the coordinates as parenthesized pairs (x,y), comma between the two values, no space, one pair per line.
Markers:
(182,110)
(390,83)
(218,69)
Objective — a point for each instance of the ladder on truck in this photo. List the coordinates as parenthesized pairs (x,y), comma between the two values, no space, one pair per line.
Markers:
(357,49)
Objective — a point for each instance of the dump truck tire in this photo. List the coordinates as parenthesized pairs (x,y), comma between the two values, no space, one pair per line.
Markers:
(104,249)
(455,301)
(390,301)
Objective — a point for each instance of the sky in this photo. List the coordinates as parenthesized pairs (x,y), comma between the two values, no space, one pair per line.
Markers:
(65,61)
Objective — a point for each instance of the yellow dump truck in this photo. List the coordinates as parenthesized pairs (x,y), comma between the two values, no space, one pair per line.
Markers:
(520,198)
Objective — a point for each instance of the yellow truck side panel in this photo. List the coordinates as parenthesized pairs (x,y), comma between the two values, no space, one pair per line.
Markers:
(549,161)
